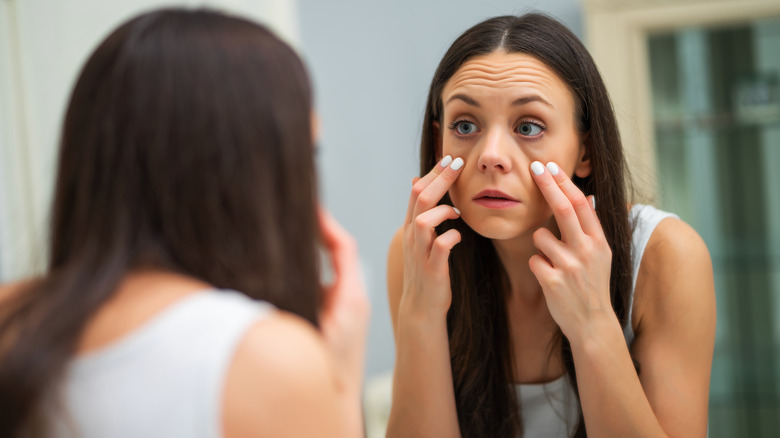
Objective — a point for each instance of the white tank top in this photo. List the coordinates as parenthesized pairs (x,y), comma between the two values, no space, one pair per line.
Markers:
(164,379)
(551,410)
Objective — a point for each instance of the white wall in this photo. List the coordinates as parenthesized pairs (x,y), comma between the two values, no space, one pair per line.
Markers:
(372,63)
(43,44)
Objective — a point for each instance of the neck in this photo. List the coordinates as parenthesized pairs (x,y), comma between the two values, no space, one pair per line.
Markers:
(514,255)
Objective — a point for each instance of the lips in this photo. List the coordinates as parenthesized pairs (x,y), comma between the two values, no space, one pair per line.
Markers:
(495,199)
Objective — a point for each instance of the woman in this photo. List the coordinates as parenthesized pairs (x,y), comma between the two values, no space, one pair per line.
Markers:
(183,295)
(518,307)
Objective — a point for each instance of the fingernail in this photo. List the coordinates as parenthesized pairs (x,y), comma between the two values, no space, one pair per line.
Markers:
(456,210)
(537,168)
(593,201)
(457,164)
(553,168)
(446,161)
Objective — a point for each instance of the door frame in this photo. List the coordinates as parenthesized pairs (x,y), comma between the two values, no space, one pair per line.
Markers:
(616,35)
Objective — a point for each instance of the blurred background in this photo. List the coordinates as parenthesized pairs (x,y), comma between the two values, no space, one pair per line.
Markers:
(695,83)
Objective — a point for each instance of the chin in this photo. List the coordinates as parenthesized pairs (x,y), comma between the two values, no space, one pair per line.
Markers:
(494,228)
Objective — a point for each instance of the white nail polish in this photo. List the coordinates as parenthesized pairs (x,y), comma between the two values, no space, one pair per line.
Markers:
(456,211)
(457,164)
(553,168)
(446,161)
(593,201)
(537,168)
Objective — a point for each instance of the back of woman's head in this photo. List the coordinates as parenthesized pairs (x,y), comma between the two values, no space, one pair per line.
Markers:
(187,143)
(481,355)
(186,146)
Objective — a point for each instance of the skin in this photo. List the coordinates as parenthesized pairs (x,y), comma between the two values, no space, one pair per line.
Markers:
(558,262)
(268,384)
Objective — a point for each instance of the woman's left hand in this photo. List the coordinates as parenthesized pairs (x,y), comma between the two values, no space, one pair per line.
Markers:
(573,270)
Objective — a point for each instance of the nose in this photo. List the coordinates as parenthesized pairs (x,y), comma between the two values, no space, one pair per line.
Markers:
(494,155)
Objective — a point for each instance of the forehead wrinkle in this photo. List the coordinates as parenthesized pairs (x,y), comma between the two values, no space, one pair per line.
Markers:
(476,67)
(485,78)
(501,72)
(526,72)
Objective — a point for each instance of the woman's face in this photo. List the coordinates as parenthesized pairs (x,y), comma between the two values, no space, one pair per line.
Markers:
(501,113)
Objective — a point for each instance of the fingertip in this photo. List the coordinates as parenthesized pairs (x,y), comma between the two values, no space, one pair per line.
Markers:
(533,261)
(457,163)
(324,216)
(458,237)
(553,168)
(453,236)
(537,168)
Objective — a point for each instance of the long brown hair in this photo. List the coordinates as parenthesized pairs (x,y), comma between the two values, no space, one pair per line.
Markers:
(480,348)
(186,146)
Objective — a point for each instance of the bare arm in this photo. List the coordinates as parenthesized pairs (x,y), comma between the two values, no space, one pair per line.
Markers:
(423,396)
(676,333)
(675,313)
(420,296)
(674,342)
(674,346)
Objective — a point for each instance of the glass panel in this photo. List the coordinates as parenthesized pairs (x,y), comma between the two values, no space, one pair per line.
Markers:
(716,109)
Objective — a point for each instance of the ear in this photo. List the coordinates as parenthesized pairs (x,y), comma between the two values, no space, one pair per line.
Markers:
(583,168)
(437,141)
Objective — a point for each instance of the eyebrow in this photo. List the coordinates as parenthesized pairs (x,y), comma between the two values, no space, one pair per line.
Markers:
(517,102)
(532,98)
(464,98)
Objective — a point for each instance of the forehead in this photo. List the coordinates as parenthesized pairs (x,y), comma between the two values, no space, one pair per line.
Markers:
(508,74)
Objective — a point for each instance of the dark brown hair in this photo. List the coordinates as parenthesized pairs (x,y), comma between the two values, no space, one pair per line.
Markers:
(480,348)
(186,146)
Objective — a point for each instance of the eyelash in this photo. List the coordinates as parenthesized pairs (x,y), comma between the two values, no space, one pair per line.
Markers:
(536,123)
(454,125)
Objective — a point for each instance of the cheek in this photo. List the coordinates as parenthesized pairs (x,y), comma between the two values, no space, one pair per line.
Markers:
(457,189)
(565,154)
(457,147)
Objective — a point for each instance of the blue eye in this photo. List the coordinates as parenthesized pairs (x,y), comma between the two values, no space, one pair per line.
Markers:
(464,127)
(529,129)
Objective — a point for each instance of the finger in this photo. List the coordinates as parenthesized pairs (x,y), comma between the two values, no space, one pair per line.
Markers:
(341,248)
(542,270)
(440,251)
(432,194)
(419,184)
(561,206)
(425,227)
(549,245)
(582,205)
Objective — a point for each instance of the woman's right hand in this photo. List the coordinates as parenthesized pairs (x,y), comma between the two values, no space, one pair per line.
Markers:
(427,291)
(345,307)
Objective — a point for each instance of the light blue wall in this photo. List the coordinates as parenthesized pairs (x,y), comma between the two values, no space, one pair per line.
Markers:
(372,64)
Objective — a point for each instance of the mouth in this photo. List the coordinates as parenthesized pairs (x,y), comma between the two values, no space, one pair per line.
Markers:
(495,199)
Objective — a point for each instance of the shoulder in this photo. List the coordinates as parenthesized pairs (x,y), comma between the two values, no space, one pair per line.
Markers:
(675,273)
(280,370)
(675,249)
